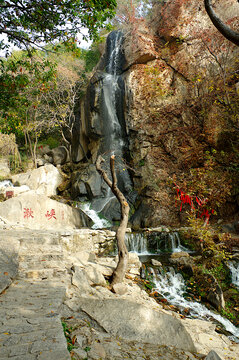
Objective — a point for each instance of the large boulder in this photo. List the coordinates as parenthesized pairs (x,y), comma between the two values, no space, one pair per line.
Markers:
(59,155)
(44,180)
(86,182)
(36,211)
(136,322)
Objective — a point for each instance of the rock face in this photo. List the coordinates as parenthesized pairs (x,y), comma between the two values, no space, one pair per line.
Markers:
(44,179)
(36,211)
(167,117)
(133,321)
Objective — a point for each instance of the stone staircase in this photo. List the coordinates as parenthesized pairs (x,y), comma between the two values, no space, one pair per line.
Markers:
(41,258)
(30,321)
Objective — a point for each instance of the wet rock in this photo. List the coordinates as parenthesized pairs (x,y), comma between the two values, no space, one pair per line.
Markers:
(155,262)
(59,155)
(86,182)
(184,260)
(211,289)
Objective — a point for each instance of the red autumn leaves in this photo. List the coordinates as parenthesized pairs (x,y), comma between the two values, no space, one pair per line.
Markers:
(201,204)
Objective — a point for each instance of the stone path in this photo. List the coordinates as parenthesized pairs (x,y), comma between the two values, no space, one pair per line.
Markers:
(30,323)
(37,269)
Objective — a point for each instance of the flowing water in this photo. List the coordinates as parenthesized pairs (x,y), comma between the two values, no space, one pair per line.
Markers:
(5,184)
(170,284)
(111,114)
(137,243)
(172,287)
(234,268)
(155,243)
(99,222)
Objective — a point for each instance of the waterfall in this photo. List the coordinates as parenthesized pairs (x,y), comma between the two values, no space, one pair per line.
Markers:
(174,242)
(99,222)
(111,117)
(137,243)
(153,243)
(234,268)
(172,287)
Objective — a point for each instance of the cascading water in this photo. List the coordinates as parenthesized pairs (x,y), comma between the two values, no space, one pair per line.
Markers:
(99,222)
(171,285)
(234,268)
(154,243)
(137,243)
(5,184)
(111,114)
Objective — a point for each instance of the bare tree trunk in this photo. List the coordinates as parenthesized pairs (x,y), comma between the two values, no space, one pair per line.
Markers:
(121,268)
(225,30)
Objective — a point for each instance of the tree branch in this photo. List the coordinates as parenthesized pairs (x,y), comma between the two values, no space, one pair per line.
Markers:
(225,30)
(119,272)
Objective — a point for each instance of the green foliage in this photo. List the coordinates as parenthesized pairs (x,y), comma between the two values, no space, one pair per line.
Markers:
(34,22)
(67,332)
(22,82)
(51,141)
(148,283)
(91,58)
(228,314)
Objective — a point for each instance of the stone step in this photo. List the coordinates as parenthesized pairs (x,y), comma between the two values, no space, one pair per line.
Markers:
(41,264)
(56,272)
(40,239)
(33,249)
(41,257)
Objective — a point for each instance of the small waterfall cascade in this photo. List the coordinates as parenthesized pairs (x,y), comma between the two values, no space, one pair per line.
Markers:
(5,184)
(137,243)
(99,222)
(152,243)
(234,268)
(173,243)
(172,287)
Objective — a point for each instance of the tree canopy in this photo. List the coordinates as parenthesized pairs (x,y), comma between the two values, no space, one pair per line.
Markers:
(34,22)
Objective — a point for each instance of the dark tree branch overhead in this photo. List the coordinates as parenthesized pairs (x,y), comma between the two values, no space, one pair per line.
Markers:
(37,21)
(122,265)
(225,30)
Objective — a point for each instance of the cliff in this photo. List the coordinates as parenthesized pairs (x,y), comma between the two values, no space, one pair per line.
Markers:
(180,81)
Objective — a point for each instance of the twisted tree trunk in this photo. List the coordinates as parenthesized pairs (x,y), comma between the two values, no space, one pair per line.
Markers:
(225,30)
(119,272)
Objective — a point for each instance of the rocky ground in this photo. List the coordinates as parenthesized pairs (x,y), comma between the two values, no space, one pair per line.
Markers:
(49,278)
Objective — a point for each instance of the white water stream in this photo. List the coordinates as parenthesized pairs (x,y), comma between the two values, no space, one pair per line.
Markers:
(99,222)
(234,268)
(171,286)
(139,243)
(5,184)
